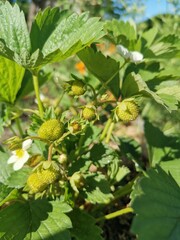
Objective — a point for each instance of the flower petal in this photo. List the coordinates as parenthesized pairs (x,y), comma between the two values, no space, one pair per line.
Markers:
(124,52)
(26,144)
(136,57)
(21,161)
(18,165)
(25,157)
(12,159)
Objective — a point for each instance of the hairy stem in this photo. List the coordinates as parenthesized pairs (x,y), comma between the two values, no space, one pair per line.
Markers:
(108,123)
(109,133)
(94,93)
(18,124)
(50,152)
(115,214)
(36,88)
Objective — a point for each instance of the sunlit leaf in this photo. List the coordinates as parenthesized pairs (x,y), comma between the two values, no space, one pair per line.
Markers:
(11,75)
(104,68)
(155,200)
(35,220)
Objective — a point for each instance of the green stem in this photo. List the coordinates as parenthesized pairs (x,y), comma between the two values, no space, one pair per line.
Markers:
(106,83)
(115,214)
(81,142)
(36,88)
(108,123)
(12,130)
(109,132)
(60,139)
(18,124)
(38,138)
(94,93)
(50,152)
(59,100)
(123,190)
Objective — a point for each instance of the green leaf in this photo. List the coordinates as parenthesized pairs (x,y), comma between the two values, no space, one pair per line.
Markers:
(56,226)
(156,203)
(35,220)
(14,36)
(104,68)
(61,36)
(149,36)
(4,191)
(5,169)
(120,30)
(156,138)
(97,189)
(53,37)
(102,155)
(169,92)
(44,25)
(84,227)
(134,85)
(19,178)
(11,75)
(7,194)
(172,167)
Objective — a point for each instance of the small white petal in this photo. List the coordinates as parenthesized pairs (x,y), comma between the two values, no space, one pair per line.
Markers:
(25,157)
(18,165)
(135,57)
(21,161)
(26,144)
(12,159)
(124,52)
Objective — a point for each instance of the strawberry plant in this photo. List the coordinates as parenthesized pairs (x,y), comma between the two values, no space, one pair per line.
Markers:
(70,163)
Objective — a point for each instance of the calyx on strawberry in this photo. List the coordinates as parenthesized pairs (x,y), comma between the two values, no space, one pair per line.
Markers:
(51,130)
(127,110)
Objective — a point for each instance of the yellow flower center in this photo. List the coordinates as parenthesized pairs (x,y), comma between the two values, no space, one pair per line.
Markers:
(19,153)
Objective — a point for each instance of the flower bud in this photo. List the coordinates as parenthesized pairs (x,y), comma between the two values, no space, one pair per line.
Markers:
(77,181)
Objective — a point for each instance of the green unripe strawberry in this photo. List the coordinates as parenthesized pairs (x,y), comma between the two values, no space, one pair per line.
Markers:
(89,113)
(77,88)
(127,110)
(48,176)
(51,130)
(35,184)
(77,181)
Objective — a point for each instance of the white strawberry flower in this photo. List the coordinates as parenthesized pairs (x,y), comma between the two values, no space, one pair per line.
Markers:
(124,52)
(133,56)
(136,57)
(20,156)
